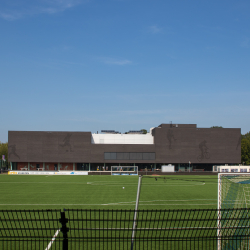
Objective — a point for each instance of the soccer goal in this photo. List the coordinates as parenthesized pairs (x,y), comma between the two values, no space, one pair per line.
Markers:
(124,170)
(233,202)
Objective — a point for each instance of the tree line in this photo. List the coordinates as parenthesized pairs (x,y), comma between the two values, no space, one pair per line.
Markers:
(4,151)
(245,149)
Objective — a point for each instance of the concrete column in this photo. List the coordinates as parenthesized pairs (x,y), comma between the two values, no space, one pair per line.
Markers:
(43,166)
(28,166)
(74,166)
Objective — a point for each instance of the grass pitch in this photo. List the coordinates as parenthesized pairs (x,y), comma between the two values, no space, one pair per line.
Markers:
(106,192)
(94,229)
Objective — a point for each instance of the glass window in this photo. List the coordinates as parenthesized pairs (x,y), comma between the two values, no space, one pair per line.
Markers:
(145,156)
(112,156)
(243,170)
(120,156)
(106,156)
(138,156)
(234,170)
(132,156)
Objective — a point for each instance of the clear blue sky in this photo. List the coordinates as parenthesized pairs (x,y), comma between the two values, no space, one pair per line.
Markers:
(78,65)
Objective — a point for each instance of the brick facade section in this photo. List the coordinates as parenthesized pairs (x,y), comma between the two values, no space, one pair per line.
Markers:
(172,144)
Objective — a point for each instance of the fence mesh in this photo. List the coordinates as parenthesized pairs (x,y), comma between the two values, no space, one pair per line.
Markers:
(29,229)
(113,229)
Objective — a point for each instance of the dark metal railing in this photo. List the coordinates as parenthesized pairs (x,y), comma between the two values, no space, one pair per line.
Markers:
(117,229)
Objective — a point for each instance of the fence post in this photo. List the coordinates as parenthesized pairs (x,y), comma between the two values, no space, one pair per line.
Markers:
(136,210)
(64,230)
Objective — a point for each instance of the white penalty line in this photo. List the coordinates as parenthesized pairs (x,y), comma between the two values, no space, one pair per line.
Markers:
(52,240)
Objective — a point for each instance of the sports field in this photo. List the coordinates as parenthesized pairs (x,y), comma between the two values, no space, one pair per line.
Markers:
(106,192)
(100,213)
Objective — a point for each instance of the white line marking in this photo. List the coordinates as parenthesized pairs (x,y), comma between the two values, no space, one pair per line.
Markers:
(42,182)
(110,204)
(128,203)
(107,185)
(52,240)
(178,204)
(184,200)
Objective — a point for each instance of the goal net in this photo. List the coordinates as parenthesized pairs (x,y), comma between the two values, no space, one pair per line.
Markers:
(233,193)
(124,170)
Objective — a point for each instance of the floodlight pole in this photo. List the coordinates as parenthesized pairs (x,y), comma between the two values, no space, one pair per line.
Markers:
(136,209)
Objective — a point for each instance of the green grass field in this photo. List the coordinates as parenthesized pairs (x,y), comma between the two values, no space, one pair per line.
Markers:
(47,196)
(106,192)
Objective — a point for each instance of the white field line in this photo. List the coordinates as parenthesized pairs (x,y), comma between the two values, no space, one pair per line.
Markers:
(119,203)
(55,182)
(52,240)
(110,204)
(110,185)
(160,228)
(184,200)
(194,183)
(176,185)
(126,203)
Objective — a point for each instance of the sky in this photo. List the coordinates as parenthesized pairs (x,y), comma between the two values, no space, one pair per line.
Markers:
(91,65)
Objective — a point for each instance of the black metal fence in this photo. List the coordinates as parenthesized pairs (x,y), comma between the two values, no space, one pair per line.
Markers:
(125,229)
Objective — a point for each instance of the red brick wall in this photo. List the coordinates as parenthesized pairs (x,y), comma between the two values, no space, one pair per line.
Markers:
(67,166)
(33,165)
(60,166)
(22,165)
(50,166)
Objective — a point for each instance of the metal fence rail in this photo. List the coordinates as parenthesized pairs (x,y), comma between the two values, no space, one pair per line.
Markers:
(29,229)
(113,229)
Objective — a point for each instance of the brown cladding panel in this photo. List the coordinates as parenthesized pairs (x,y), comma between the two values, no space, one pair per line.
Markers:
(17,146)
(178,145)
(172,145)
(35,146)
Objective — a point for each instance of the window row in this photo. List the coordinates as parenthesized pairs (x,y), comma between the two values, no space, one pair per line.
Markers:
(128,156)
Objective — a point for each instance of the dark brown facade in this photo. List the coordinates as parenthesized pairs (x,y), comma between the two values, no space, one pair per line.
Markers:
(173,144)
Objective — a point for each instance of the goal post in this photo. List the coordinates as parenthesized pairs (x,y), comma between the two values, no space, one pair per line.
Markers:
(233,193)
(124,170)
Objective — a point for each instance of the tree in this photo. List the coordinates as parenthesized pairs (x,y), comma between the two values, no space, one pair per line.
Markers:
(245,151)
(216,127)
(246,136)
(144,131)
(4,151)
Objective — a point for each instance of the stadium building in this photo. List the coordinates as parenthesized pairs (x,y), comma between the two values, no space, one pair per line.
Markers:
(183,145)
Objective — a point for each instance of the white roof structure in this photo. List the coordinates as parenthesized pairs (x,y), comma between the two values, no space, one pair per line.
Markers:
(122,138)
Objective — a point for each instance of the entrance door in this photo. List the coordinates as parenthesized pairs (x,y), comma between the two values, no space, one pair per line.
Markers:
(55,167)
